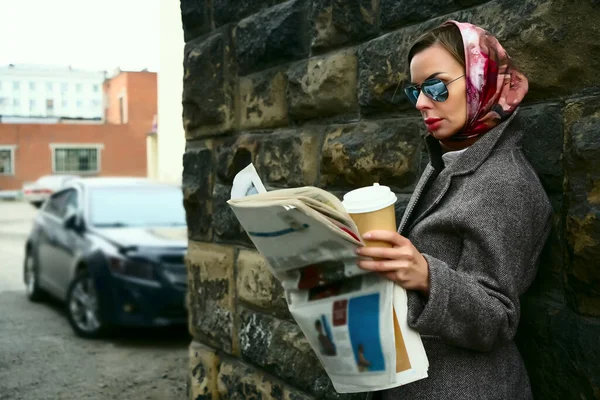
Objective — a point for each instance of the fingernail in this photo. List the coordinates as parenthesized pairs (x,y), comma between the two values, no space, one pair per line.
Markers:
(367,236)
(357,250)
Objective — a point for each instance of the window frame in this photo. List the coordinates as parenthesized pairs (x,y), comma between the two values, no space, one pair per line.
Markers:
(12,149)
(79,146)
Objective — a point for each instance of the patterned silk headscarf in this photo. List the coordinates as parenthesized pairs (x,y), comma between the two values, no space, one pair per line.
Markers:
(494,85)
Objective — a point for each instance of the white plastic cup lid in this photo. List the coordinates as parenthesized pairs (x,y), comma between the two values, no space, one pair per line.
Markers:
(368,199)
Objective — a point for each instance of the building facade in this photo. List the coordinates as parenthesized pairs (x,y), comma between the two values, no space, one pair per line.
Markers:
(109,143)
(167,143)
(29,93)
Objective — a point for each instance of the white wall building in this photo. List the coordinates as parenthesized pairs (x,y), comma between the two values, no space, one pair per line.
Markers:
(35,91)
(166,148)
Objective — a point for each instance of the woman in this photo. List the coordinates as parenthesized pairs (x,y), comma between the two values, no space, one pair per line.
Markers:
(468,244)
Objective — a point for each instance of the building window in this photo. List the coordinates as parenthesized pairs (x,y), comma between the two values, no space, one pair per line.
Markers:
(78,87)
(31,85)
(31,105)
(49,86)
(65,104)
(76,159)
(96,88)
(95,103)
(16,103)
(64,87)
(16,85)
(7,160)
(79,104)
(49,106)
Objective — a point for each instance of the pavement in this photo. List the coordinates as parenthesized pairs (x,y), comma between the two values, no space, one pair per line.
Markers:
(41,358)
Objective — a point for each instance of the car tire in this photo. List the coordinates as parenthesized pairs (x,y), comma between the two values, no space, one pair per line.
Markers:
(83,309)
(30,276)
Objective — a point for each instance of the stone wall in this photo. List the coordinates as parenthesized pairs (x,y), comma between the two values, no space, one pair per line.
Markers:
(308,92)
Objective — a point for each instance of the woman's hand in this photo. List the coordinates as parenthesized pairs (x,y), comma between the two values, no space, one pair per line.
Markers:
(402,263)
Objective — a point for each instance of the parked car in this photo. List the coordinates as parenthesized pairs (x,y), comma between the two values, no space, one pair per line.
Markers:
(113,250)
(37,192)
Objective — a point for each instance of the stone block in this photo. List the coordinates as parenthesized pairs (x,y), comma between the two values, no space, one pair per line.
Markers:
(263,100)
(281,348)
(226,11)
(386,151)
(238,381)
(235,153)
(339,22)
(196,18)
(211,293)
(197,190)
(582,120)
(397,13)
(209,84)
(543,143)
(289,158)
(256,286)
(560,351)
(226,227)
(273,36)
(323,86)
(203,372)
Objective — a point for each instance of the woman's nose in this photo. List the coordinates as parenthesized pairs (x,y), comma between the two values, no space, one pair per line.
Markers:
(423,102)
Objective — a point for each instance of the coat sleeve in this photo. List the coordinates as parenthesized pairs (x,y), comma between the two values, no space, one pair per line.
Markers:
(475,304)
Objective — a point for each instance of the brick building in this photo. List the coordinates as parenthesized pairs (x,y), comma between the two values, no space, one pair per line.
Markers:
(114,146)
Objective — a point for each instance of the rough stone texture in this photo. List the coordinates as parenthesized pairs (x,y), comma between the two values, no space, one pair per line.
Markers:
(195,17)
(289,158)
(257,287)
(387,152)
(226,227)
(238,381)
(323,86)
(273,36)
(564,348)
(396,13)
(211,294)
(233,154)
(263,100)
(275,345)
(583,217)
(226,11)
(339,22)
(203,372)
(209,85)
(197,183)
(543,143)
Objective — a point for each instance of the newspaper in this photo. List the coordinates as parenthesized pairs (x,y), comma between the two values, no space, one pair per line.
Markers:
(355,320)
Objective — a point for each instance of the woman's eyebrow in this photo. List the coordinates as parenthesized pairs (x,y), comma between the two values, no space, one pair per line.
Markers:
(429,77)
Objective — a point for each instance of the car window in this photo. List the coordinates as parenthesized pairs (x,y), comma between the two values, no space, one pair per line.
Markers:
(62,202)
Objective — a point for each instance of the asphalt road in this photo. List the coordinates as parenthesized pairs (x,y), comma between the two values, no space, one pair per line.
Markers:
(41,358)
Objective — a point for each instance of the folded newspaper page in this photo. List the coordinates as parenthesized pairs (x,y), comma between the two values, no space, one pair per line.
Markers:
(355,320)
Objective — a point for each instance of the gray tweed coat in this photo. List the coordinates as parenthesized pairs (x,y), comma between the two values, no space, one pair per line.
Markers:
(481,223)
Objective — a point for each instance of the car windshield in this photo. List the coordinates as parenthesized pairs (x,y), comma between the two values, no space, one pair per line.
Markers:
(116,207)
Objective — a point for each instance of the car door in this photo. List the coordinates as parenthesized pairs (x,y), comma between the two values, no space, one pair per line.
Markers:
(50,228)
(69,241)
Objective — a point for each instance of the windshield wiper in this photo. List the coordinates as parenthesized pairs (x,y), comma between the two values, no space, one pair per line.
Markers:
(111,225)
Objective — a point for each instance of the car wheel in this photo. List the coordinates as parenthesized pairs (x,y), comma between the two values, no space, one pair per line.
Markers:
(83,308)
(31,273)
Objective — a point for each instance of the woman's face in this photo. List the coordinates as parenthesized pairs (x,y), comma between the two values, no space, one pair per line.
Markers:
(443,119)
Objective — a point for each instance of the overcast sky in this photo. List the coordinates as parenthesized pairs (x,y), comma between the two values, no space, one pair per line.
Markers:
(88,34)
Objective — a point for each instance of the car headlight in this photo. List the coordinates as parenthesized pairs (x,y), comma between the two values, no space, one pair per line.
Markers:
(134,269)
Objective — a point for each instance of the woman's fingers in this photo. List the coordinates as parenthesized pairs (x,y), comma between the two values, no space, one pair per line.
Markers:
(386,236)
(382,266)
(392,253)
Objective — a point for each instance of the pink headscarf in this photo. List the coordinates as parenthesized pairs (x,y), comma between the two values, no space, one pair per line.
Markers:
(494,85)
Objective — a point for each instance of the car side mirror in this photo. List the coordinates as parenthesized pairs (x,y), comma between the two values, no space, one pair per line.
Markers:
(71,221)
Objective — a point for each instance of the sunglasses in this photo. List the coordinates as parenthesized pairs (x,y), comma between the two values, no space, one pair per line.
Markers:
(435,89)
